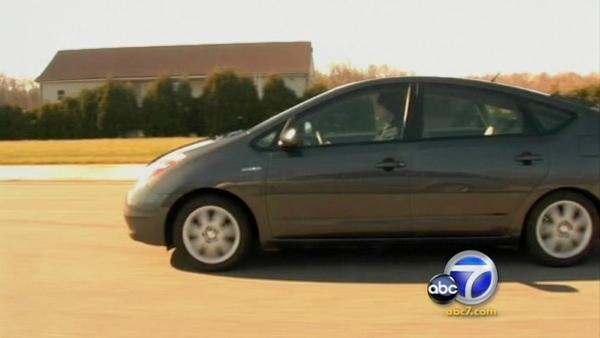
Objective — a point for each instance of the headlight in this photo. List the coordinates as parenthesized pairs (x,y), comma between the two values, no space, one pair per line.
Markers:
(159,167)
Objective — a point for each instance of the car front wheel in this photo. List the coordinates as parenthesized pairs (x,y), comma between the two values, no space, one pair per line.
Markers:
(562,228)
(212,232)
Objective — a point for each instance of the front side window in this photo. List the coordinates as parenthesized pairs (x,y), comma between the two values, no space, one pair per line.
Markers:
(268,140)
(375,115)
(453,111)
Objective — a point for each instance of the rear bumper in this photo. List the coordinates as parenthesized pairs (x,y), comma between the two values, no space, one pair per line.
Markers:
(146,215)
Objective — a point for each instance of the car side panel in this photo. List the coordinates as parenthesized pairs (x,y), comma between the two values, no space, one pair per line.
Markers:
(235,168)
(575,164)
(597,191)
(473,186)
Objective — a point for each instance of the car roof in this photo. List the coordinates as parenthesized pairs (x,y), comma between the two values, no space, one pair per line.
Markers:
(452,81)
(482,84)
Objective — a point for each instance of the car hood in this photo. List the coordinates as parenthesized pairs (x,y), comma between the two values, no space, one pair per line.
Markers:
(202,146)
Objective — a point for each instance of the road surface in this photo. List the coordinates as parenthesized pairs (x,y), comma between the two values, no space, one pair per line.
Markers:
(68,269)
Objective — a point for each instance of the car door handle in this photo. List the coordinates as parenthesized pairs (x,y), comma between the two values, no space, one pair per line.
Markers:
(390,164)
(527,158)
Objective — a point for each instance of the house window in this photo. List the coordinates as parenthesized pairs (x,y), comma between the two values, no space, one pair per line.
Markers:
(60,94)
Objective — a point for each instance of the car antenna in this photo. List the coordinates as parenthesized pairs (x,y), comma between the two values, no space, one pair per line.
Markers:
(495,77)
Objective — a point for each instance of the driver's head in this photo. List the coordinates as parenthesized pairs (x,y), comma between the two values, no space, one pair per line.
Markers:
(389,107)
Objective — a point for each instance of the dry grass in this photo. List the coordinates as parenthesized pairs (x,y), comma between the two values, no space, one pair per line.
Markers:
(93,151)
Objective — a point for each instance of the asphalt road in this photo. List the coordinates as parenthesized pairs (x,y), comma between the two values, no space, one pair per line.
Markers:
(68,269)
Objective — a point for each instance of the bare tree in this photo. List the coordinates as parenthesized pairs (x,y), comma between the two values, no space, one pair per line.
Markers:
(22,93)
(340,74)
(557,83)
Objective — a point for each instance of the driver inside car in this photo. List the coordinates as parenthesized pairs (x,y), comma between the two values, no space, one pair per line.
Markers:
(389,113)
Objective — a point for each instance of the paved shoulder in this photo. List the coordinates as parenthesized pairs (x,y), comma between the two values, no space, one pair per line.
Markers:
(70,172)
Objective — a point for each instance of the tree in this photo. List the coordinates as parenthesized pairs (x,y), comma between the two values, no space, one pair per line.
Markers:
(588,95)
(20,93)
(230,102)
(89,101)
(72,116)
(52,122)
(117,109)
(63,119)
(340,74)
(561,82)
(187,108)
(198,122)
(277,97)
(167,109)
(15,124)
(314,90)
(157,105)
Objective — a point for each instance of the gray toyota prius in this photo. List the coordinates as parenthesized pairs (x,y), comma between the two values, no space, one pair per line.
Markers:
(384,160)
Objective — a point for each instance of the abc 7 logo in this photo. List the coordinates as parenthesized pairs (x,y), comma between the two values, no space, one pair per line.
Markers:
(470,277)
(442,288)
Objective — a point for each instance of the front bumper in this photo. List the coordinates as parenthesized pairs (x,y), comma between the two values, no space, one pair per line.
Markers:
(145,213)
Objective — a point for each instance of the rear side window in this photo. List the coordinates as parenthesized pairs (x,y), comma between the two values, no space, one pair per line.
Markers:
(549,119)
(454,111)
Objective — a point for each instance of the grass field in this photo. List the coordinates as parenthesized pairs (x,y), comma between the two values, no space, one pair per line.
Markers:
(90,151)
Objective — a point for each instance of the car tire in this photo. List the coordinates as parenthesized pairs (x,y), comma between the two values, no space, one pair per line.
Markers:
(562,229)
(212,233)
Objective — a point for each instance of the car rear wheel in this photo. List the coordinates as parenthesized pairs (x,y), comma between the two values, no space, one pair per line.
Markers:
(562,229)
(212,233)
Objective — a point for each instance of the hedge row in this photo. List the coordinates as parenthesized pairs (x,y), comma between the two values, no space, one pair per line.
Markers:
(228,102)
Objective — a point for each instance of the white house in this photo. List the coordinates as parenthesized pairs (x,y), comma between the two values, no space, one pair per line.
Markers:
(70,71)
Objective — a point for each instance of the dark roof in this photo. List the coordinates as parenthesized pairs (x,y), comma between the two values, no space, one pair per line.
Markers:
(191,60)
(448,80)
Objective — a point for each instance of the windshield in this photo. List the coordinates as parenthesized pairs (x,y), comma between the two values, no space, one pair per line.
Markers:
(276,117)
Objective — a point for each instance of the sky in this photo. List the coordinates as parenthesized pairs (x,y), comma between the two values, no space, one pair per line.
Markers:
(427,37)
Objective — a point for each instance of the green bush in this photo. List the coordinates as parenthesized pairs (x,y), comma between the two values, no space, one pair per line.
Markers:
(89,101)
(16,124)
(277,97)
(188,109)
(73,117)
(69,118)
(314,90)
(198,120)
(52,122)
(230,102)
(118,112)
(158,109)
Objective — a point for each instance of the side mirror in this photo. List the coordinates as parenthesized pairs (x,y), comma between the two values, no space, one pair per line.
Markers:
(289,139)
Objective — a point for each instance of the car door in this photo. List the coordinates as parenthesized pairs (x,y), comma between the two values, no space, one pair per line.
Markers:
(476,158)
(344,180)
